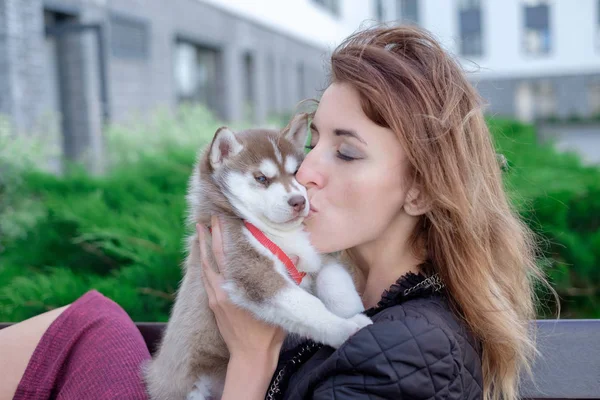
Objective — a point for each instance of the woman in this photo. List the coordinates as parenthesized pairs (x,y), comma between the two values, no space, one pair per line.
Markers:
(404,181)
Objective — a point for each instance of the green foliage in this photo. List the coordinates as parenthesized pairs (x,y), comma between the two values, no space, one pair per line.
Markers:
(19,154)
(123,233)
(559,197)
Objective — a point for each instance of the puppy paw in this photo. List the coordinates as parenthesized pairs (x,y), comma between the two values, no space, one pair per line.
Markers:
(310,262)
(197,395)
(346,306)
(201,390)
(348,328)
(361,321)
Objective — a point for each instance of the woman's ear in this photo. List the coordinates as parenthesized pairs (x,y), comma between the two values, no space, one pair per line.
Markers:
(417,202)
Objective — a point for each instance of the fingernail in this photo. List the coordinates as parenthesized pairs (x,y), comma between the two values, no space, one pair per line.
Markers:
(200,231)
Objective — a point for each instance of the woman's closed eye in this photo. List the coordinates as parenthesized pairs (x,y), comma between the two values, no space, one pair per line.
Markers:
(344,157)
(348,153)
(342,154)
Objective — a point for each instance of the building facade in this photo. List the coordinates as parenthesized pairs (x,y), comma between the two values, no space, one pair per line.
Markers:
(84,63)
(90,62)
(530,59)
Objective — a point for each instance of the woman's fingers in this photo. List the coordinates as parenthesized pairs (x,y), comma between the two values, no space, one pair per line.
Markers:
(217,242)
(208,274)
(212,280)
(206,267)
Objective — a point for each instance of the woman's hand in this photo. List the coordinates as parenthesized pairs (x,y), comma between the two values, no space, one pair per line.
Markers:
(253,345)
(247,338)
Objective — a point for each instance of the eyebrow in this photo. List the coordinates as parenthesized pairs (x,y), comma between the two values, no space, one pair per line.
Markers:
(342,132)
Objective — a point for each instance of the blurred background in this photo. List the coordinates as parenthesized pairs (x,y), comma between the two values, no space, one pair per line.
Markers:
(104,103)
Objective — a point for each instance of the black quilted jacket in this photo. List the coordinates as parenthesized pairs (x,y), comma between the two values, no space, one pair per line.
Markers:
(415,349)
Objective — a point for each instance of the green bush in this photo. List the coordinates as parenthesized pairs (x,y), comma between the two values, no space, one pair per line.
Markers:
(122,233)
(559,197)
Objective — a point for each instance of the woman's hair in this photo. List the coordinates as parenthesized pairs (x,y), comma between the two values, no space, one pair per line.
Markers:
(473,238)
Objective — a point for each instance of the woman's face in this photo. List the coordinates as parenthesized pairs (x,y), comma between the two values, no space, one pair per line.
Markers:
(354,174)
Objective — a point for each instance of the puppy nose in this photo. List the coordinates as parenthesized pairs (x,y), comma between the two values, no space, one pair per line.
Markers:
(298,202)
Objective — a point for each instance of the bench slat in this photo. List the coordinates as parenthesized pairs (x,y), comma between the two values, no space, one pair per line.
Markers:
(569,367)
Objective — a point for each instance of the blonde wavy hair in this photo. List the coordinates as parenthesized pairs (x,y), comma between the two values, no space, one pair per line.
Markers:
(484,253)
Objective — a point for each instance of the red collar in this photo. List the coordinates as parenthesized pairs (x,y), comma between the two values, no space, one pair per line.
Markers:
(280,254)
(296,275)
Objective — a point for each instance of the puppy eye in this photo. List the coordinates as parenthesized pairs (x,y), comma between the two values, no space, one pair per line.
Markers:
(261,179)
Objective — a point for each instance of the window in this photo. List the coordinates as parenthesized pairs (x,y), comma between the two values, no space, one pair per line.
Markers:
(545,99)
(196,74)
(537,38)
(249,87)
(535,100)
(379,13)
(598,25)
(471,42)
(333,6)
(301,81)
(594,97)
(128,37)
(408,11)
(271,81)
(285,84)
(469,4)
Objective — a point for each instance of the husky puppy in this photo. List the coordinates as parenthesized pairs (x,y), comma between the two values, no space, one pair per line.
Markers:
(249,176)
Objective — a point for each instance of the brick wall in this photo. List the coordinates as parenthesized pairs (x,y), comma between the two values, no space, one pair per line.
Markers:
(54,74)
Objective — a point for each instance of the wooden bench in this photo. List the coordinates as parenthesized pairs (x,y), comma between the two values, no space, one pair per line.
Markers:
(568,369)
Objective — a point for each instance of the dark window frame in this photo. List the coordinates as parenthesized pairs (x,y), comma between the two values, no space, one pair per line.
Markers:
(332,6)
(216,105)
(402,6)
(117,50)
(531,20)
(470,22)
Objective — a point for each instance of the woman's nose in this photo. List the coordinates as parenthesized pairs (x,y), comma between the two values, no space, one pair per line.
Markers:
(309,174)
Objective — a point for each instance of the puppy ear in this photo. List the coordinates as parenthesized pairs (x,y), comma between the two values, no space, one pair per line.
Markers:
(223,146)
(297,130)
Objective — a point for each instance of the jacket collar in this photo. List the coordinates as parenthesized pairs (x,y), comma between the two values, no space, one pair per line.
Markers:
(408,286)
(296,350)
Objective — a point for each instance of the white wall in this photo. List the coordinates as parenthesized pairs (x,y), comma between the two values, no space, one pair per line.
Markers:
(302,19)
(438,16)
(441,18)
(573,25)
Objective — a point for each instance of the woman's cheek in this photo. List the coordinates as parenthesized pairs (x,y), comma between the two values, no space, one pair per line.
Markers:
(324,234)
